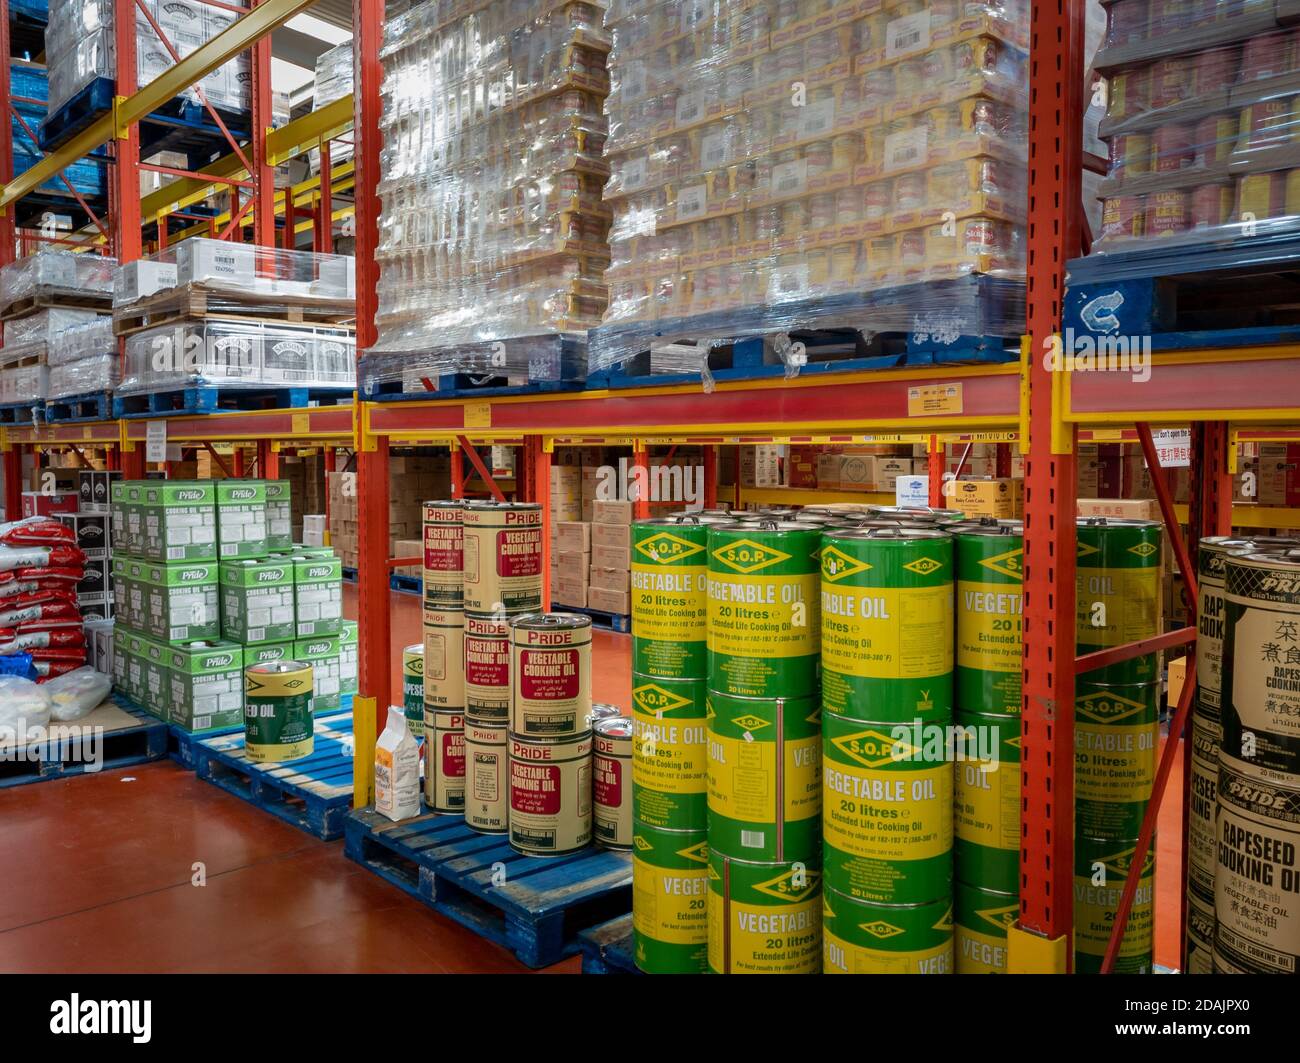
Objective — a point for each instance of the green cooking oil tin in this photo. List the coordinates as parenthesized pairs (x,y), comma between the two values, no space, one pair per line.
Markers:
(670,772)
(670,900)
(919,514)
(986,800)
(887,624)
(764,763)
(670,601)
(989,557)
(413,688)
(1116,735)
(983,917)
(763,625)
(1100,868)
(278,723)
(887,810)
(1118,593)
(859,937)
(764,917)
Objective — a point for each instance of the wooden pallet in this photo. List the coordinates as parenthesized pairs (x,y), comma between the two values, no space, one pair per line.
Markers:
(197,304)
(534,906)
(22,413)
(311,794)
(599,618)
(118,734)
(50,298)
(607,949)
(95,406)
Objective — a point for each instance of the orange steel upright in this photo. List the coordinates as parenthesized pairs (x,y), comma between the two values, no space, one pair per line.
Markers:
(262,176)
(1047,710)
(13,455)
(124,186)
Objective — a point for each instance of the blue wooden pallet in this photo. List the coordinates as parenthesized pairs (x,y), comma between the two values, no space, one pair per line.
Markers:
(311,794)
(22,413)
(599,618)
(406,584)
(95,406)
(607,949)
(462,385)
(538,905)
(556,361)
(62,758)
(214,399)
(181,743)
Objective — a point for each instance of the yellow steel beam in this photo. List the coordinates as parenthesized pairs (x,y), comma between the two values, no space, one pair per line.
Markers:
(239,36)
(344,184)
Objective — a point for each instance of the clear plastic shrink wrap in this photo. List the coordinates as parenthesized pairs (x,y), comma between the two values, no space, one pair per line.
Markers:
(1202,124)
(50,273)
(492,227)
(774,162)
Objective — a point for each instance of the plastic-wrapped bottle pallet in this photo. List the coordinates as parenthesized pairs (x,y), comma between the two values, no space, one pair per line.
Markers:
(333,81)
(767,156)
(493,228)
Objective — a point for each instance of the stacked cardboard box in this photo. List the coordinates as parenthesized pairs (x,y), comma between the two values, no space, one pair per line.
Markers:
(409,548)
(305,475)
(566,493)
(608,588)
(411,480)
(342,490)
(1002,498)
(570,561)
(859,469)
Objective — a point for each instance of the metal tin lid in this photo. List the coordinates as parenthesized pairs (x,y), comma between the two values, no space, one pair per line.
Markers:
(1248,543)
(897,534)
(551,622)
(613,727)
(1289,559)
(991,526)
(276,667)
(918,512)
(492,504)
(417,647)
(601,711)
(767,525)
(446,503)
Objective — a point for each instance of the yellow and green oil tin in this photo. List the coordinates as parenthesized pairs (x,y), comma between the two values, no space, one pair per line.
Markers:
(670,771)
(983,917)
(887,624)
(764,917)
(989,557)
(763,625)
(1100,868)
(764,776)
(859,937)
(670,601)
(1116,735)
(1118,593)
(413,688)
(670,900)
(278,719)
(986,800)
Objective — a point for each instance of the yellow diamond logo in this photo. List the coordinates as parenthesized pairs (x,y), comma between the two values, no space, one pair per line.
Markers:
(1012,563)
(1143,549)
(750,722)
(652,698)
(794,886)
(1086,549)
(745,555)
(837,565)
(1119,863)
(1014,743)
(945,923)
(1107,707)
(874,748)
(664,548)
(699,852)
(827,911)
(881,929)
(713,874)
(923,566)
(640,843)
(1001,919)
(815,717)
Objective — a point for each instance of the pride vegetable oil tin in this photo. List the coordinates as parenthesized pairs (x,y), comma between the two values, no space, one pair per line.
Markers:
(859,937)
(444,761)
(886,624)
(487,776)
(443,569)
(550,794)
(1257,881)
(670,602)
(763,625)
(444,660)
(983,917)
(550,671)
(989,559)
(1116,734)
(501,549)
(1100,868)
(986,801)
(1118,593)
(1202,846)
(887,817)
(611,782)
(1200,935)
(487,667)
(669,753)
(764,767)
(278,724)
(1261,665)
(764,918)
(413,688)
(670,900)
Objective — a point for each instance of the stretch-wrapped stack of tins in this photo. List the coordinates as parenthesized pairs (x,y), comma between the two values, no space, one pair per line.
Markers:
(988,664)
(887,794)
(1116,730)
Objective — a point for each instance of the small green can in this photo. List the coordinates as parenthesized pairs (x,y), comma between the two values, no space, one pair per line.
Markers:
(670,774)
(278,717)
(670,889)
(1116,735)
(1100,869)
(989,556)
(860,937)
(1118,593)
(670,601)
(986,800)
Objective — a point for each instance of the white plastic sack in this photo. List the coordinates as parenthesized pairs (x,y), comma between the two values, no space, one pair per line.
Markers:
(24,707)
(77,693)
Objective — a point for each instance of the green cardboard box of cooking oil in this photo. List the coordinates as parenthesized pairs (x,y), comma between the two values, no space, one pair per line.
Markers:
(121,681)
(122,610)
(257,601)
(207,685)
(322,653)
(181,601)
(348,643)
(267,653)
(124,516)
(132,645)
(176,520)
(318,595)
(279,515)
(241,518)
(155,663)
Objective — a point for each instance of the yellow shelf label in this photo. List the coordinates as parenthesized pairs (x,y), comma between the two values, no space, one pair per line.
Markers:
(929,399)
(478,415)
(301,423)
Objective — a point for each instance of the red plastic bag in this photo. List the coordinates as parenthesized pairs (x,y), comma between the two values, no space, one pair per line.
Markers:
(63,555)
(39,613)
(36,531)
(21,641)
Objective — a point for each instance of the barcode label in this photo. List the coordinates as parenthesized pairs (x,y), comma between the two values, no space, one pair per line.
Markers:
(908,34)
(752,839)
(692,202)
(818,118)
(690,108)
(789,177)
(905,149)
(713,149)
(634,173)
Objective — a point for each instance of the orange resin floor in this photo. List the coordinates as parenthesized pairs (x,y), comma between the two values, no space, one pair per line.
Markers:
(97,874)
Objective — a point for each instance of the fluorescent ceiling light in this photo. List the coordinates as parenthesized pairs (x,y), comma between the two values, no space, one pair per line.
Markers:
(289,77)
(319,28)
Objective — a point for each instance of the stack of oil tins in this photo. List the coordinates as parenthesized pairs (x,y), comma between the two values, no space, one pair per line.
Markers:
(1257,820)
(1116,729)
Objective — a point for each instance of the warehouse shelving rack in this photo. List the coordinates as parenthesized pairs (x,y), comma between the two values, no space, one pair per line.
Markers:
(1224,395)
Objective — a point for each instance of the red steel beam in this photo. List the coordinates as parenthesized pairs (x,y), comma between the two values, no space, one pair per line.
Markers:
(261,172)
(1165,499)
(1090,662)
(457,472)
(221,462)
(710,476)
(482,469)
